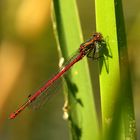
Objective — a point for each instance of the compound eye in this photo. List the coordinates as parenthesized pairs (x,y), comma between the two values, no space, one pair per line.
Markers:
(97,36)
(94,35)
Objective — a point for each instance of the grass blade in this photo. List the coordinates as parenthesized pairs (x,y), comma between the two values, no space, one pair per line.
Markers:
(116,93)
(82,113)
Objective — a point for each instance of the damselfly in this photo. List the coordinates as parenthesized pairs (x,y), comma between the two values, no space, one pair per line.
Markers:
(87,48)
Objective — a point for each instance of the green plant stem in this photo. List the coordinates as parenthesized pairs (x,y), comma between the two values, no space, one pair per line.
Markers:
(82,113)
(116,94)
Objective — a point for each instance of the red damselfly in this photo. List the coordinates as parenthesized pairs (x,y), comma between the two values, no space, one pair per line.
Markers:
(86,48)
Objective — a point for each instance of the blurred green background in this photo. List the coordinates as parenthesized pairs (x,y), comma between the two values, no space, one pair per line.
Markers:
(28,57)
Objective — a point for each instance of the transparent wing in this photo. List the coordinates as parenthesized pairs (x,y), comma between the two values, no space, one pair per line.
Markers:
(43,98)
(53,88)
